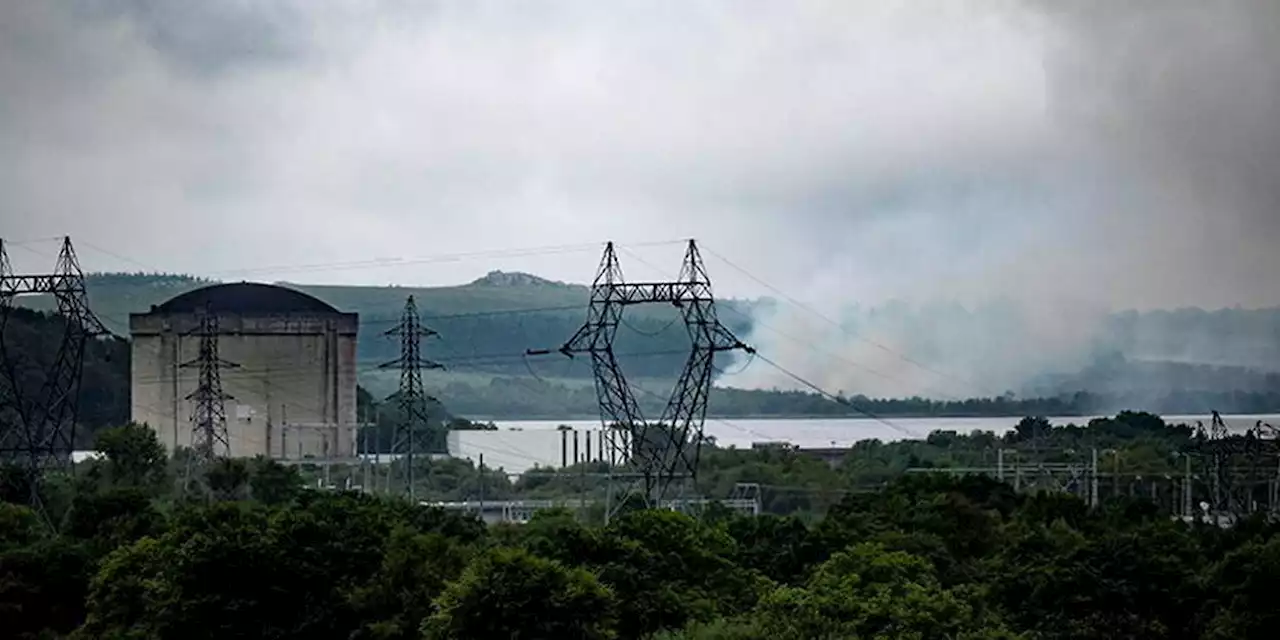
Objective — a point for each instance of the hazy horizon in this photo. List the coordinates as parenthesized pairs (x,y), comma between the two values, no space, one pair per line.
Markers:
(1063,161)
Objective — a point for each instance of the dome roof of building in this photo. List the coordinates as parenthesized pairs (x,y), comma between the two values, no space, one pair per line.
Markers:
(245,298)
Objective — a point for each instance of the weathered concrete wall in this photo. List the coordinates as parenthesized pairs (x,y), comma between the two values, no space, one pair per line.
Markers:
(294,389)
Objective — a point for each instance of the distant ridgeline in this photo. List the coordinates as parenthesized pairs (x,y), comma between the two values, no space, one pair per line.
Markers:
(1225,337)
(31,341)
(487,325)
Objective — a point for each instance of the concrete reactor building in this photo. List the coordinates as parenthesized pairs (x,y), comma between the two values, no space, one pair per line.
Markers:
(293,391)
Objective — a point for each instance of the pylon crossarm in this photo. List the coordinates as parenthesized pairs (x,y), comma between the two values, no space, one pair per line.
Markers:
(23,285)
(582,341)
(669,449)
(658,292)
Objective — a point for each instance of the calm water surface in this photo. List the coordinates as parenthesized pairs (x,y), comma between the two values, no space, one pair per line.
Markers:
(519,445)
(844,432)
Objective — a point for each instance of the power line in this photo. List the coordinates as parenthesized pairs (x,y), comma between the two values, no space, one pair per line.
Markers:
(828,353)
(477,314)
(376,263)
(562,248)
(301,371)
(494,358)
(123,320)
(27,241)
(411,398)
(553,249)
(40,430)
(669,449)
(757,322)
(836,398)
(840,326)
(120,257)
(276,374)
(722,421)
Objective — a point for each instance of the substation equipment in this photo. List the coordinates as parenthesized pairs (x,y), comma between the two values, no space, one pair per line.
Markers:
(1219,477)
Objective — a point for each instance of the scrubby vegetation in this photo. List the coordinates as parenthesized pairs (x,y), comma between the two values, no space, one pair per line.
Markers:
(248,552)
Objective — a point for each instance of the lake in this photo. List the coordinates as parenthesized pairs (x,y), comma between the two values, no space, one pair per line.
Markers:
(519,445)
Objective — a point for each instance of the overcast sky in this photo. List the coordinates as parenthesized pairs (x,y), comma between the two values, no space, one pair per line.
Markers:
(1093,153)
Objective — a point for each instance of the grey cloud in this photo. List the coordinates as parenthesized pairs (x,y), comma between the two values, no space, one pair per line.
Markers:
(1181,98)
(207,37)
(1066,156)
(1158,183)
(561,120)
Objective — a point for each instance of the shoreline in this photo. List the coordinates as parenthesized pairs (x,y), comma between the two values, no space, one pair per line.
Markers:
(878,417)
(769,416)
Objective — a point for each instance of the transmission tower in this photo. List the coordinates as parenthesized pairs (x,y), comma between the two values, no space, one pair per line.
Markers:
(655,454)
(411,398)
(38,432)
(208,400)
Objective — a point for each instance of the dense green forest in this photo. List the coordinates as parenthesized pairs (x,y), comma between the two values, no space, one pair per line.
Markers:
(245,550)
(32,340)
(1140,451)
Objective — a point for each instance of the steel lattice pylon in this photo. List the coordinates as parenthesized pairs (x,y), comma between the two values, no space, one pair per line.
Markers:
(411,399)
(657,453)
(208,400)
(39,432)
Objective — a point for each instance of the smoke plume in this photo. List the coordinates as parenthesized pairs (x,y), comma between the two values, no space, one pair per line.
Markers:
(1009,170)
(1153,181)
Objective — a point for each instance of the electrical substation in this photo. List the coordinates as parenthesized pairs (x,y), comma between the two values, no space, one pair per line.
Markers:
(1223,477)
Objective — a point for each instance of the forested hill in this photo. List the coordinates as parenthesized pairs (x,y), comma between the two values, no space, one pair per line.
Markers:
(31,341)
(485,326)
(511,389)
(1223,337)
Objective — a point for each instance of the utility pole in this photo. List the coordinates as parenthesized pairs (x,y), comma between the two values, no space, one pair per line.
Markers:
(1115,472)
(481,479)
(37,430)
(1186,486)
(377,443)
(411,397)
(208,400)
(1093,480)
(365,463)
(655,454)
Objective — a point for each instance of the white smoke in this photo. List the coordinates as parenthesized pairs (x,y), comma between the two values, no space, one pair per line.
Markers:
(1068,157)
